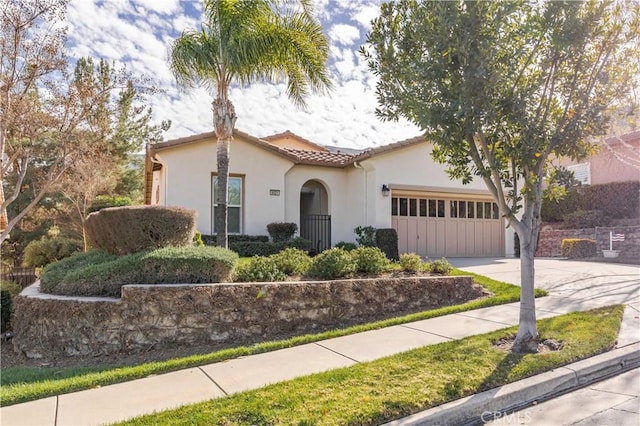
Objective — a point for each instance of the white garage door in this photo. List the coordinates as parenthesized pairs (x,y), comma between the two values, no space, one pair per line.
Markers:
(447,225)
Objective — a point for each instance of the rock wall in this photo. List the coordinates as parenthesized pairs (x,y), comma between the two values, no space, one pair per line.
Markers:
(152,316)
(550,241)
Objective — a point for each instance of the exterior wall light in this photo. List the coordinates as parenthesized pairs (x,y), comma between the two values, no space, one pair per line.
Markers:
(385,190)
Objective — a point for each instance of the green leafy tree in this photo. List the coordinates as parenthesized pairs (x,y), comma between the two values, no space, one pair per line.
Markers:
(244,41)
(499,87)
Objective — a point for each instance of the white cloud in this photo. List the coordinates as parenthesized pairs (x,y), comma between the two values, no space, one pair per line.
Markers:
(344,34)
(138,33)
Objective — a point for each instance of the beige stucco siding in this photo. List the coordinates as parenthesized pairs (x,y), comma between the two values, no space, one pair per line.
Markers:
(189,170)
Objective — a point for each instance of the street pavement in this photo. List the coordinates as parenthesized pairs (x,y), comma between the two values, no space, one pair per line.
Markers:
(573,286)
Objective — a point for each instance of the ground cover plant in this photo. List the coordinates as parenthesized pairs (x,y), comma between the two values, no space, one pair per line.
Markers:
(389,388)
(100,274)
(25,384)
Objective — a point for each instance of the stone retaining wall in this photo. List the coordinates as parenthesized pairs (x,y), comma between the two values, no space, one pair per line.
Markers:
(550,241)
(153,316)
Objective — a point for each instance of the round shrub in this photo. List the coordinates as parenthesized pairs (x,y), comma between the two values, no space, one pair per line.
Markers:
(133,229)
(346,246)
(576,248)
(46,250)
(370,260)
(292,261)
(331,264)
(440,267)
(169,265)
(410,262)
(261,269)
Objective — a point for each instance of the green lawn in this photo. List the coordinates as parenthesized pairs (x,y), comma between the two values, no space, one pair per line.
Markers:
(399,385)
(26,384)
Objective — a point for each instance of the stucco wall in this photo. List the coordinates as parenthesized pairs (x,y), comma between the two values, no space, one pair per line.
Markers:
(189,169)
(162,315)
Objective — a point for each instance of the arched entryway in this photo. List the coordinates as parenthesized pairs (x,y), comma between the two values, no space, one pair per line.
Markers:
(315,221)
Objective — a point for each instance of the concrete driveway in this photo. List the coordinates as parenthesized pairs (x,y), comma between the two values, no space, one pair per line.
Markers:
(606,283)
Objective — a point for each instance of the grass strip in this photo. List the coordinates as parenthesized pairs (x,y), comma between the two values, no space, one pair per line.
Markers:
(26,384)
(396,386)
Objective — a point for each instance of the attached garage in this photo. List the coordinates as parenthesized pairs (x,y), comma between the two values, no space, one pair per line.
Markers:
(445,224)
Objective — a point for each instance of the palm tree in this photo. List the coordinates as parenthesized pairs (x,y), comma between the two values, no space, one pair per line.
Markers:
(245,41)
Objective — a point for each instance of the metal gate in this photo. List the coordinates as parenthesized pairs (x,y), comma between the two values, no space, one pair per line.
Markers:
(317,229)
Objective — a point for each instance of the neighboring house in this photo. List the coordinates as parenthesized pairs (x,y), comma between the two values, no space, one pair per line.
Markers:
(329,192)
(616,160)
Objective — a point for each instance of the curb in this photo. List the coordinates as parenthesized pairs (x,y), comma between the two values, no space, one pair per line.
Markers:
(513,396)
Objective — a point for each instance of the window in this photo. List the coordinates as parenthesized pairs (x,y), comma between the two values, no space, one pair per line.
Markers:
(234,205)
(394,206)
(423,207)
(440,208)
(487,210)
(404,207)
(479,210)
(453,209)
(462,209)
(470,209)
(496,212)
(413,207)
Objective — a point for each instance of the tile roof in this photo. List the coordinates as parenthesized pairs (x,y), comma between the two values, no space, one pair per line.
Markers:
(321,158)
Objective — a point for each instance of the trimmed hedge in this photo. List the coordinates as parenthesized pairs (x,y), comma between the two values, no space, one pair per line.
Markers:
(577,248)
(581,219)
(210,240)
(134,229)
(54,273)
(259,269)
(169,265)
(617,200)
(257,248)
(387,241)
(46,250)
(281,231)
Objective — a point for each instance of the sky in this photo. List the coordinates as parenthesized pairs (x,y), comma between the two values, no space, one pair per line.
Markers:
(138,33)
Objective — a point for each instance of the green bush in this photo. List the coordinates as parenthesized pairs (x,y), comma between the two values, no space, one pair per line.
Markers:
(126,230)
(366,236)
(54,273)
(345,246)
(197,239)
(259,248)
(440,267)
(8,290)
(331,264)
(210,240)
(169,265)
(261,269)
(370,260)
(281,231)
(46,250)
(411,262)
(105,201)
(617,200)
(581,219)
(292,261)
(577,248)
(387,241)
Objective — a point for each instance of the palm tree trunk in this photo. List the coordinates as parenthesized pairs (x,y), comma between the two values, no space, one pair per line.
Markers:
(224,120)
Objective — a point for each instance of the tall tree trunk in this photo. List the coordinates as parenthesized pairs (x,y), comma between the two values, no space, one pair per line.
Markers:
(527,337)
(224,120)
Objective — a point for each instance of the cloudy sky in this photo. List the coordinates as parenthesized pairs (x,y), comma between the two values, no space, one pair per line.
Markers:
(137,33)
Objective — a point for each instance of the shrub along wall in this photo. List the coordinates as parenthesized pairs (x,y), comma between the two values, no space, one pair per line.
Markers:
(550,242)
(159,316)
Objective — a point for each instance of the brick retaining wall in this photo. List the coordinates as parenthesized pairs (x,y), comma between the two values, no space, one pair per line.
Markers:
(550,241)
(157,315)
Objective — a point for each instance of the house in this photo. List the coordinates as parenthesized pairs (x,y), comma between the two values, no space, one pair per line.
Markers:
(617,159)
(329,192)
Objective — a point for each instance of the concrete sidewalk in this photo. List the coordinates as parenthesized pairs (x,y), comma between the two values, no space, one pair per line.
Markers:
(125,400)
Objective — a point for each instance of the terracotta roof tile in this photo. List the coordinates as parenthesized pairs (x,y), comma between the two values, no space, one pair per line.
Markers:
(321,158)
